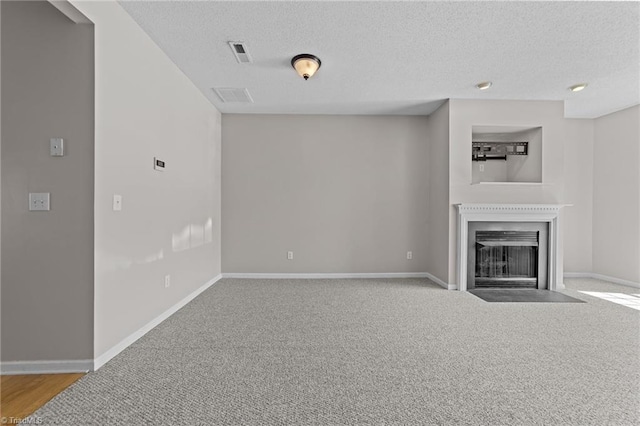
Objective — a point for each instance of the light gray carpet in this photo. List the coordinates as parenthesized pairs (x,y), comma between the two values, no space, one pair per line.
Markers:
(530,295)
(338,352)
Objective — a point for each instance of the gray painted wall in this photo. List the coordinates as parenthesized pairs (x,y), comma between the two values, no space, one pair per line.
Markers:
(616,195)
(0,184)
(438,189)
(527,168)
(47,257)
(578,191)
(170,221)
(346,194)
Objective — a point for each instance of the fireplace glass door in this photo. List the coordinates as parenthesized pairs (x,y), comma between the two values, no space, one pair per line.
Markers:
(511,255)
(507,259)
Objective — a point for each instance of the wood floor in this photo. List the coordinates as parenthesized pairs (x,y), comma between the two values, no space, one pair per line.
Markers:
(21,395)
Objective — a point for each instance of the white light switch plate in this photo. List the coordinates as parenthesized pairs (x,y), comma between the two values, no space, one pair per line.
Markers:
(39,201)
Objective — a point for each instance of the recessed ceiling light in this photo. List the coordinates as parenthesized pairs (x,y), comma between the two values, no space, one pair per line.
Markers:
(484,85)
(578,87)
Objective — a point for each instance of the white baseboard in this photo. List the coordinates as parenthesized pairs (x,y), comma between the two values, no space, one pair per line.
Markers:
(126,342)
(602,278)
(340,276)
(441,283)
(324,275)
(46,367)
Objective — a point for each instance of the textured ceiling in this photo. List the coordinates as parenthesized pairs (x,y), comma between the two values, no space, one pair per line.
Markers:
(403,57)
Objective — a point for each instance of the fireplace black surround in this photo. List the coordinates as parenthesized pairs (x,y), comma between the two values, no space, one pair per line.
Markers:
(507,255)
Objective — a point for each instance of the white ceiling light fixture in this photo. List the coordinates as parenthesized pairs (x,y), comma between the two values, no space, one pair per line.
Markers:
(578,87)
(484,85)
(306,65)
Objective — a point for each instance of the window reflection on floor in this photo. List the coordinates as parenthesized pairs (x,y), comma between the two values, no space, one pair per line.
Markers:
(629,300)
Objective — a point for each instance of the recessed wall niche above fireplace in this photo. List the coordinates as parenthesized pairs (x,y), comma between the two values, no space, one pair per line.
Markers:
(506,154)
(509,246)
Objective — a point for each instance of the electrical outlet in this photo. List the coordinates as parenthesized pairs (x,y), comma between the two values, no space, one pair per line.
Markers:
(482,167)
(167,281)
(117,202)
(409,255)
(39,201)
(289,255)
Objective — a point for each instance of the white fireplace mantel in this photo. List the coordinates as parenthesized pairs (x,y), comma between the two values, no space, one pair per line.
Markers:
(549,213)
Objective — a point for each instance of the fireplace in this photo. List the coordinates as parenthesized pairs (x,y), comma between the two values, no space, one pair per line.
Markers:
(507,255)
(516,245)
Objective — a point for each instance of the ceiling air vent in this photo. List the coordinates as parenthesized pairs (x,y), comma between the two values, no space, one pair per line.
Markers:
(240,51)
(230,94)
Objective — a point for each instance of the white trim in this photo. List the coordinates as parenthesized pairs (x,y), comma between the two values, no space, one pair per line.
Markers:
(46,367)
(549,213)
(323,275)
(512,183)
(441,283)
(127,341)
(332,276)
(602,278)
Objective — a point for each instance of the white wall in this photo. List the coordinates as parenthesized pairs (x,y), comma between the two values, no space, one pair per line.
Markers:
(464,114)
(616,195)
(170,221)
(346,194)
(47,257)
(578,191)
(438,198)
